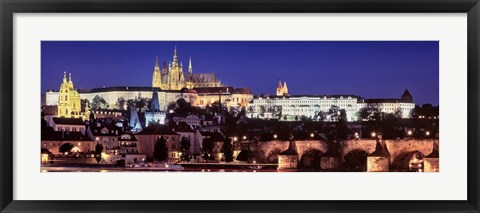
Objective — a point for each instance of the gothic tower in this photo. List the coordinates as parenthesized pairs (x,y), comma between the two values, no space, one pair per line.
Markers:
(282,90)
(285,88)
(156,79)
(176,79)
(279,88)
(189,83)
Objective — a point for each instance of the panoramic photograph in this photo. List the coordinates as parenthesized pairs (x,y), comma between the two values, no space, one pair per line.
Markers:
(239,106)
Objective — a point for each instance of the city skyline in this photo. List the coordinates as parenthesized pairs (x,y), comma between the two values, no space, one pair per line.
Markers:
(331,106)
(256,65)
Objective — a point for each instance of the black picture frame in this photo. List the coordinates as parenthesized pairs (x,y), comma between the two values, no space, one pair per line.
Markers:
(9,7)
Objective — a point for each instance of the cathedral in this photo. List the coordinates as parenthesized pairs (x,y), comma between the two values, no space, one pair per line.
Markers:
(69,104)
(173,77)
(282,90)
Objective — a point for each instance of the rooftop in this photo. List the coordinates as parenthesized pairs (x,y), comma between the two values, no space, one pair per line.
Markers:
(157,129)
(68,121)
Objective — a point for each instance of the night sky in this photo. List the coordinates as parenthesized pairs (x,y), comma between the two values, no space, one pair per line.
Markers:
(370,69)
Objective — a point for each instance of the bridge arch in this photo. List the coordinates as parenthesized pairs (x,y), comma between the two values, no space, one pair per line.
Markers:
(355,161)
(272,156)
(310,160)
(408,161)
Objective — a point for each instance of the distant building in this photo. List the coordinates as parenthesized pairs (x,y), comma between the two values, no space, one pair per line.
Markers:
(191,120)
(112,94)
(169,82)
(68,124)
(282,90)
(294,107)
(69,105)
(404,105)
(218,139)
(227,96)
(128,147)
(107,136)
(173,77)
(154,114)
(149,135)
(53,140)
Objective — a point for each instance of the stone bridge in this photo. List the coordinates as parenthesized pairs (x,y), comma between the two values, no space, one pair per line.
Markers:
(351,151)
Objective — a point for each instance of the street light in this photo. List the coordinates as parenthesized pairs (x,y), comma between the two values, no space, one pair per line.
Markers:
(409,132)
(235,138)
(356,135)
(373,134)
(244,137)
(311,135)
(427,133)
(275,136)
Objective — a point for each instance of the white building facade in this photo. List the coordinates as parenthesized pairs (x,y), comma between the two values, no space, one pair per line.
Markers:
(294,107)
(112,94)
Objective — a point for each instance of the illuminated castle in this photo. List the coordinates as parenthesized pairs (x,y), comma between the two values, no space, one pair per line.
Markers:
(69,104)
(173,77)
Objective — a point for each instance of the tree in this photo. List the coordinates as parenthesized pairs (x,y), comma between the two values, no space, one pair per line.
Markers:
(334,113)
(185,149)
(277,112)
(160,150)
(130,104)
(141,103)
(121,102)
(227,150)
(262,111)
(341,126)
(98,103)
(66,147)
(251,110)
(171,106)
(207,148)
(182,106)
(321,116)
(84,103)
(98,152)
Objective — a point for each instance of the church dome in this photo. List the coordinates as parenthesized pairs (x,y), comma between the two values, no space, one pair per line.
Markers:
(73,93)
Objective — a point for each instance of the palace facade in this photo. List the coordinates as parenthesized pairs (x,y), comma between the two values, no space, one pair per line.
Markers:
(284,106)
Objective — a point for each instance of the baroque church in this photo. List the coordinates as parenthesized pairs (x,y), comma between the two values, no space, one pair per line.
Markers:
(172,77)
(69,104)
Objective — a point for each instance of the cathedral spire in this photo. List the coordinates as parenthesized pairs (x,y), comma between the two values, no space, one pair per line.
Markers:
(156,62)
(279,84)
(64,76)
(190,66)
(69,77)
(164,68)
(175,57)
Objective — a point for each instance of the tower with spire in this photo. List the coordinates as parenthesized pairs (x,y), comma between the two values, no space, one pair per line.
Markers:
(69,105)
(171,76)
(176,80)
(156,79)
(282,90)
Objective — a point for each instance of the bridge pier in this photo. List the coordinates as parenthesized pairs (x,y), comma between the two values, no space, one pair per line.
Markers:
(378,164)
(288,159)
(379,160)
(431,161)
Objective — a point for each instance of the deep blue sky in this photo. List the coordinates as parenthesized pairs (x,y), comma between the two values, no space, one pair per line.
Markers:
(370,69)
